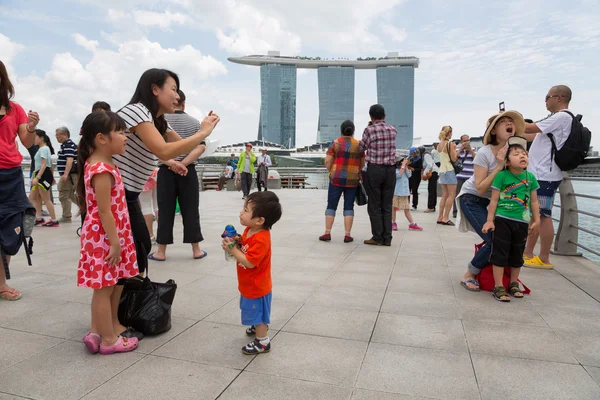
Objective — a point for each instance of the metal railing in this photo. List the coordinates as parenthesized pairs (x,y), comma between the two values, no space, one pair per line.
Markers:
(567,241)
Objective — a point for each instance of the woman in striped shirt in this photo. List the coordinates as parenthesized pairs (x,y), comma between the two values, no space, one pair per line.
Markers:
(151,138)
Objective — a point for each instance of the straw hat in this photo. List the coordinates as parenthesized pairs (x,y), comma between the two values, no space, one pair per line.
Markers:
(518,122)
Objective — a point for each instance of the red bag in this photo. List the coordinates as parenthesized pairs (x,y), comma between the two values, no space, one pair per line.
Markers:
(486,277)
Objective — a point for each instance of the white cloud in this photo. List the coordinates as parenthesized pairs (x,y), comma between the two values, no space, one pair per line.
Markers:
(162,20)
(8,49)
(65,93)
(397,35)
(90,45)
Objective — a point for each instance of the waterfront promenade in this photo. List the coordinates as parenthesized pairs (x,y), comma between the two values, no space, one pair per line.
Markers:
(348,321)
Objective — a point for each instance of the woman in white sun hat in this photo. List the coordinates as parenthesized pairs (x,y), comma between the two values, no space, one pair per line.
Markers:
(474,198)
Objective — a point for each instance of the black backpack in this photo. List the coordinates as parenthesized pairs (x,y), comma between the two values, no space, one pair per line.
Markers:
(575,149)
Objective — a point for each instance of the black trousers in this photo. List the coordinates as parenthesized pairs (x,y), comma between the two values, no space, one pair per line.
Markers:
(258,184)
(414,181)
(246,183)
(172,187)
(139,230)
(432,191)
(380,183)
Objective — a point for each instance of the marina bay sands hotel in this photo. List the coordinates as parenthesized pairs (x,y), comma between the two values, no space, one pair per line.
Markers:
(277,124)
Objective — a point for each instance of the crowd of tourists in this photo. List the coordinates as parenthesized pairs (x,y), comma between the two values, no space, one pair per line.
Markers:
(503,192)
(123,157)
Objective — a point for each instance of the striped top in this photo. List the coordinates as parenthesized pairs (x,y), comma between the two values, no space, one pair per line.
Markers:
(185,126)
(138,162)
(468,168)
(67,150)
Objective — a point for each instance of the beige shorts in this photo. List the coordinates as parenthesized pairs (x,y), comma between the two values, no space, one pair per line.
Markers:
(401,203)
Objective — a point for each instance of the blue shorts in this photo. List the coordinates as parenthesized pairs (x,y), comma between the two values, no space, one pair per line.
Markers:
(447,178)
(545,195)
(256,311)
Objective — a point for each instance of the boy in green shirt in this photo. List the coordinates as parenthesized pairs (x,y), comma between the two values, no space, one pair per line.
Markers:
(514,201)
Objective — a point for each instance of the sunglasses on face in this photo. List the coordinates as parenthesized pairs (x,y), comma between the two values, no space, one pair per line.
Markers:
(551,97)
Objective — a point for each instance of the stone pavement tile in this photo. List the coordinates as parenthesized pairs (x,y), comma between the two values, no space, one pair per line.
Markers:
(570,317)
(67,371)
(503,378)
(313,263)
(17,346)
(4,396)
(151,343)
(362,394)
(27,279)
(584,344)
(437,272)
(185,263)
(594,372)
(192,304)
(216,285)
(291,275)
(289,251)
(281,312)
(416,331)
(293,292)
(333,322)
(67,321)
(251,386)
(209,343)
(359,280)
(418,372)
(229,271)
(486,309)
(336,248)
(420,304)
(374,254)
(27,306)
(351,265)
(367,299)
(162,378)
(66,289)
(423,285)
(312,358)
(518,341)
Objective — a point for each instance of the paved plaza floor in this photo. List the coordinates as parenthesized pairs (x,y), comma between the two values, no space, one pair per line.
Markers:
(349,321)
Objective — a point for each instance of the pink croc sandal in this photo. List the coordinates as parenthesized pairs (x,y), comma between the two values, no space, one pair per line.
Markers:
(122,345)
(92,342)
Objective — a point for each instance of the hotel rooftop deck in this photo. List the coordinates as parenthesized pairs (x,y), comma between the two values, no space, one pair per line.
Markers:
(348,321)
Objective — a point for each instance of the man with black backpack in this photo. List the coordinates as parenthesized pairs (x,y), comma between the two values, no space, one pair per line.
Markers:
(560,143)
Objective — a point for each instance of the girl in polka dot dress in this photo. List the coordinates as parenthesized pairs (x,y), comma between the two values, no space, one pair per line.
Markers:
(107,248)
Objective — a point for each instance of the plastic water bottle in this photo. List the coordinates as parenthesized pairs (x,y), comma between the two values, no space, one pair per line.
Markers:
(231,233)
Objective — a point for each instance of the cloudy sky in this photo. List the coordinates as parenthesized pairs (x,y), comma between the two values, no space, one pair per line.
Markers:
(64,55)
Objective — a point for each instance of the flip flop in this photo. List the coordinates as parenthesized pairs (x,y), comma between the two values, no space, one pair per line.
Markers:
(11,295)
(151,257)
(447,223)
(474,282)
(204,254)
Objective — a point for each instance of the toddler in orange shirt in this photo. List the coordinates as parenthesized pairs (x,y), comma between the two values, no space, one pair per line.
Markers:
(253,263)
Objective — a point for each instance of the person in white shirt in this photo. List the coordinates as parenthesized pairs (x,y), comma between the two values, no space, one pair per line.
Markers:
(431,162)
(548,174)
(262,174)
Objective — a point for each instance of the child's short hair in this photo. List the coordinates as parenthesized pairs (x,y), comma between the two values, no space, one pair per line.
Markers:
(265,205)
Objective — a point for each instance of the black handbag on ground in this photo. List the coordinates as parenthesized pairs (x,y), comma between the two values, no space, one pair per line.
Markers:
(361,195)
(146,306)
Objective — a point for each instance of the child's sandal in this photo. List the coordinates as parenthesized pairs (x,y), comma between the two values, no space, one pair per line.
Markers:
(514,289)
(499,292)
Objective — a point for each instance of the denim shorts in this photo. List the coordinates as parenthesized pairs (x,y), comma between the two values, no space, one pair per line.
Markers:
(447,178)
(256,311)
(545,195)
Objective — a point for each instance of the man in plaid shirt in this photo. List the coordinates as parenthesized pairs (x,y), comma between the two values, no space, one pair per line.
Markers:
(379,141)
